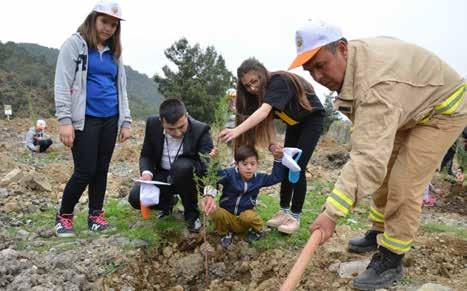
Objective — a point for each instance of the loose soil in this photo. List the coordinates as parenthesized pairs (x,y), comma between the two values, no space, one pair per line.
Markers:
(38,261)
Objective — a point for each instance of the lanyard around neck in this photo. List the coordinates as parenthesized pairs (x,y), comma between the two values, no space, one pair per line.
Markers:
(168,151)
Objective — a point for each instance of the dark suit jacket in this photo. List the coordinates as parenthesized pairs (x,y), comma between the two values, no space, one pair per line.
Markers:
(197,140)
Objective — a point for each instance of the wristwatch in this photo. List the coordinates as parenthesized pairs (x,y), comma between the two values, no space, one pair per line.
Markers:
(210,191)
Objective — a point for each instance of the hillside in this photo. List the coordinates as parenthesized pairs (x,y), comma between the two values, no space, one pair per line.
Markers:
(26,82)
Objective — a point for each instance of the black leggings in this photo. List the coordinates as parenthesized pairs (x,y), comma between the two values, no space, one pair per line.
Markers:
(448,157)
(304,136)
(92,151)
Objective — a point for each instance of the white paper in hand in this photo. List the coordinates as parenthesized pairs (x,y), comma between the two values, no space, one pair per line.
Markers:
(149,194)
(151,182)
(288,161)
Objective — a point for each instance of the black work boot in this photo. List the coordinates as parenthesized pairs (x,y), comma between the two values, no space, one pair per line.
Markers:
(363,244)
(384,269)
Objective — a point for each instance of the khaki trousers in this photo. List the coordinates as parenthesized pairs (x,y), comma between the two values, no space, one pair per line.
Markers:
(417,153)
(226,221)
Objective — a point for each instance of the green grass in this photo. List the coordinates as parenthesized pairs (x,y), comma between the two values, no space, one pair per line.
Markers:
(406,280)
(112,267)
(314,200)
(128,223)
(357,220)
(434,227)
(12,231)
(124,221)
(51,156)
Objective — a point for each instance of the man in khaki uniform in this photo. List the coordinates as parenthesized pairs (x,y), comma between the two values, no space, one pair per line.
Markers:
(407,107)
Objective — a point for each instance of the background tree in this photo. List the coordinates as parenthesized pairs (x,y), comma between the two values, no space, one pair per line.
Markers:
(331,115)
(200,80)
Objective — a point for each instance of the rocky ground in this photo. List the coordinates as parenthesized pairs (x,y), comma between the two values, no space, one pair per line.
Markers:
(31,258)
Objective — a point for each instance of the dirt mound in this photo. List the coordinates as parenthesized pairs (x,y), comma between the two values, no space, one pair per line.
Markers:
(436,258)
(174,266)
(330,155)
(68,266)
(127,152)
(440,258)
(235,269)
(6,161)
(451,195)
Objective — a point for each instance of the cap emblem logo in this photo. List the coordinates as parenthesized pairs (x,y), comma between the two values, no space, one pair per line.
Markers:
(115,9)
(299,41)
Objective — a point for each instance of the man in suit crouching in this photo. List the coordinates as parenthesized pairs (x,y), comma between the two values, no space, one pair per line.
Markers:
(171,152)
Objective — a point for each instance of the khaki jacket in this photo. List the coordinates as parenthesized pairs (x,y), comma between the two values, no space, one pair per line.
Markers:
(389,85)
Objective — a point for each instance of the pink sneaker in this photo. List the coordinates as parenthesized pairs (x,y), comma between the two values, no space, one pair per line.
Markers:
(278,219)
(64,225)
(290,226)
(430,201)
(97,221)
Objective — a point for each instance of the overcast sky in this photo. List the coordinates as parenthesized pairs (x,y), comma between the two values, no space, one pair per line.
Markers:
(241,29)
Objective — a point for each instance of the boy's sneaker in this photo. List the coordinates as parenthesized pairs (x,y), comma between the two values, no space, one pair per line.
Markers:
(96,221)
(226,240)
(253,235)
(163,214)
(64,225)
(194,226)
(167,212)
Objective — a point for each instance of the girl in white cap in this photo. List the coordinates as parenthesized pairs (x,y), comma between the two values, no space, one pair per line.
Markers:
(263,96)
(92,105)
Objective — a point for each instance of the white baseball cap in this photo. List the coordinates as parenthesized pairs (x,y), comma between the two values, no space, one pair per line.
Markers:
(40,123)
(109,7)
(231,92)
(311,37)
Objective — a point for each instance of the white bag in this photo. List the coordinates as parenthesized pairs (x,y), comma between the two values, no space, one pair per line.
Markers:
(149,194)
(288,160)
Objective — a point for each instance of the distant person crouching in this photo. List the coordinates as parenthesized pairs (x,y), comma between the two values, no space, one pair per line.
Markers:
(36,139)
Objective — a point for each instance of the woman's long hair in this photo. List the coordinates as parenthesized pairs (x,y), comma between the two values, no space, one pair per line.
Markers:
(88,31)
(247,103)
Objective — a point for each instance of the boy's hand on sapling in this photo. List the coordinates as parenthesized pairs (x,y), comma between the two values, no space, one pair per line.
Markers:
(209,205)
(214,152)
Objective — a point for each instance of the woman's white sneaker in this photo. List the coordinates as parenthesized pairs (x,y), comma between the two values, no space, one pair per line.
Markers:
(290,226)
(278,219)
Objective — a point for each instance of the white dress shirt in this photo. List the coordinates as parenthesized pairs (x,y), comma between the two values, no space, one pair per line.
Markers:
(173,147)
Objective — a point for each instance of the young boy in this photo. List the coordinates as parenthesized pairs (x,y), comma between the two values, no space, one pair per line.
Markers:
(241,184)
(36,139)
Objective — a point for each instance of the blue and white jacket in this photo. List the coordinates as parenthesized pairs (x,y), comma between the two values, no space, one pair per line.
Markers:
(70,85)
(239,195)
